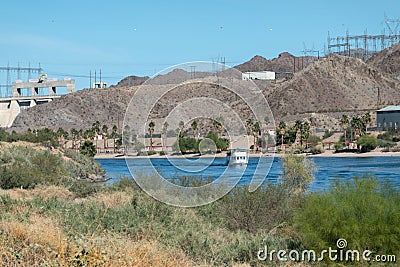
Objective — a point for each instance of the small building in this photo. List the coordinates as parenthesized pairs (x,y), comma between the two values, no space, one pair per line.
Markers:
(258,75)
(100,85)
(388,117)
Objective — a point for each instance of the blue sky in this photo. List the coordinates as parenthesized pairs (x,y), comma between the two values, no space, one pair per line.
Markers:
(70,38)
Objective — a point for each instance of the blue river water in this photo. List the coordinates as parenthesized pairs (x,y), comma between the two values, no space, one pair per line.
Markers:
(328,169)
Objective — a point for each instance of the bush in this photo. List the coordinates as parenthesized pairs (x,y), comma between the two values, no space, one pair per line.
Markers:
(385,143)
(367,143)
(362,211)
(327,134)
(151,153)
(318,149)
(297,173)
(81,166)
(26,167)
(255,211)
(88,149)
(339,145)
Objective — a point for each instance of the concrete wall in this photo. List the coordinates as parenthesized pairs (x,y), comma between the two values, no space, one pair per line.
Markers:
(12,106)
(51,85)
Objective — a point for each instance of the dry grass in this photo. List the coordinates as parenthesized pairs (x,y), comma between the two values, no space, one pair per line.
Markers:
(32,243)
(107,199)
(29,238)
(41,241)
(41,191)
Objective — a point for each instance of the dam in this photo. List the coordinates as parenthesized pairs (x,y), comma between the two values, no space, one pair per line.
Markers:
(29,94)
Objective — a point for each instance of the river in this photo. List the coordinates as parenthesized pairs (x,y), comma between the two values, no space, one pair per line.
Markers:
(327,170)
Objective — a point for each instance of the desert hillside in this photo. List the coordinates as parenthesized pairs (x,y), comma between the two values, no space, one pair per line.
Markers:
(388,61)
(325,89)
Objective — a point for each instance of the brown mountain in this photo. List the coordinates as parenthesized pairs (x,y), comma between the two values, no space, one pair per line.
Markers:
(78,110)
(335,83)
(388,61)
(132,81)
(285,62)
(330,85)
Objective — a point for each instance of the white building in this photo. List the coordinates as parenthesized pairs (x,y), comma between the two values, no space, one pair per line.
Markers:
(258,75)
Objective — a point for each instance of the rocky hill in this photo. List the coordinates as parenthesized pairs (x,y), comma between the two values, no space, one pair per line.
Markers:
(388,61)
(132,81)
(78,110)
(335,83)
(324,90)
(285,62)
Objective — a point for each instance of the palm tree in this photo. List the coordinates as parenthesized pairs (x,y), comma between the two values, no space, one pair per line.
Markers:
(194,128)
(282,130)
(249,125)
(74,134)
(256,131)
(80,135)
(366,119)
(104,130)
(305,133)
(181,125)
(298,125)
(96,131)
(164,133)
(267,120)
(114,132)
(344,122)
(126,139)
(151,131)
(357,125)
(218,126)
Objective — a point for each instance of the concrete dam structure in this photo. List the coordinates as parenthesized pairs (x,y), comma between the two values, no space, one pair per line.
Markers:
(29,94)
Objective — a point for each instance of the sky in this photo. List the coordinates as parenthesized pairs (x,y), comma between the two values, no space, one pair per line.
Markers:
(122,38)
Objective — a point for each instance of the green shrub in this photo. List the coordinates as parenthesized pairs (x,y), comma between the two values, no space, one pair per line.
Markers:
(81,166)
(256,211)
(362,211)
(26,167)
(151,153)
(367,143)
(385,143)
(327,134)
(88,149)
(297,173)
(82,188)
(339,145)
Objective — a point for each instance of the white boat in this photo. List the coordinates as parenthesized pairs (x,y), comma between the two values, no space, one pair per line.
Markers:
(238,156)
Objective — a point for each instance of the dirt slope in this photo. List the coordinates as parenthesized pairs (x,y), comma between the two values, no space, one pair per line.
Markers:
(388,61)
(335,83)
(78,110)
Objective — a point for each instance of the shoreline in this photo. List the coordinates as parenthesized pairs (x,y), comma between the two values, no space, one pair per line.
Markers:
(326,154)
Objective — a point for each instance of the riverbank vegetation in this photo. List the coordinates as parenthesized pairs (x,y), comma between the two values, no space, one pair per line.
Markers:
(55,222)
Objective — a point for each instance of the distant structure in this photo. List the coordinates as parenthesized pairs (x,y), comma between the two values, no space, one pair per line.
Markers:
(365,45)
(258,75)
(28,94)
(388,117)
(9,73)
(99,85)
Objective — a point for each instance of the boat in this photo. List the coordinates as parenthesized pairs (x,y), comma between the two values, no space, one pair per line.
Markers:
(238,156)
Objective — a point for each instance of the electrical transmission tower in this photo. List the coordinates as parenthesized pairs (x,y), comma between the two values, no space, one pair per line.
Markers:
(5,88)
